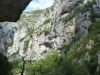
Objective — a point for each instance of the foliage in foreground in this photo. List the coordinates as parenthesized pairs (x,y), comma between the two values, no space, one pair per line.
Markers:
(55,65)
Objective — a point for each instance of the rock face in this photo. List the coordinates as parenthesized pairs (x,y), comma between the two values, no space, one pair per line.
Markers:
(11,10)
(65,27)
(41,32)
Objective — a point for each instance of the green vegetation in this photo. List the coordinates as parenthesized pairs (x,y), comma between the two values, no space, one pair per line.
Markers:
(93,16)
(47,21)
(22,39)
(93,52)
(37,12)
(30,32)
(80,9)
(17,65)
(55,65)
(90,66)
(61,0)
(73,63)
(9,44)
(46,32)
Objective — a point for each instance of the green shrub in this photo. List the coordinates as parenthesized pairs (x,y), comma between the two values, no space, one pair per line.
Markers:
(46,32)
(22,39)
(9,44)
(47,21)
(17,65)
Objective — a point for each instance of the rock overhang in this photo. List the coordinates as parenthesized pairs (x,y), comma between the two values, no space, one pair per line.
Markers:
(10,10)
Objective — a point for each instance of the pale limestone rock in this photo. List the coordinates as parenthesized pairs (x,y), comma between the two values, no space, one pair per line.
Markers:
(54,33)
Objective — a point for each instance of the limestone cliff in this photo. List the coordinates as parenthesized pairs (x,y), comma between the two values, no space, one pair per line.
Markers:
(65,27)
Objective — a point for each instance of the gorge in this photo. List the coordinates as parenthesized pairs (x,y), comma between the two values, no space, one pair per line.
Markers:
(63,39)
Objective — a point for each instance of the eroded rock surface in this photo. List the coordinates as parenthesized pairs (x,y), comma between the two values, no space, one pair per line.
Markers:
(69,27)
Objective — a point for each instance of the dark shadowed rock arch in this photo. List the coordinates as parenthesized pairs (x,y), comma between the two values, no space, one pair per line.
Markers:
(10,10)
